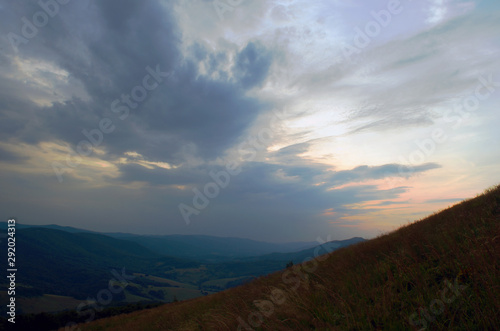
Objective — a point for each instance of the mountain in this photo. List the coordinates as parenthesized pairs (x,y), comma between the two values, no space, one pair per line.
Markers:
(194,247)
(440,273)
(61,265)
(213,249)
(19,226)
(53,261)
(306,254)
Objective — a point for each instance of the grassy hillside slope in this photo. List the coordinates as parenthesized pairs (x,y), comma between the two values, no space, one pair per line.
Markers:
(442,272)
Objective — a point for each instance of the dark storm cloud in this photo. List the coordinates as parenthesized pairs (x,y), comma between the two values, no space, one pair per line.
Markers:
(252,65)
(160,176)
(299,199)
(18,115)
(272,178)
(10,157)
(212,114)
(293,150)
(281,192)
(109,55)
(362,173)
(293,208)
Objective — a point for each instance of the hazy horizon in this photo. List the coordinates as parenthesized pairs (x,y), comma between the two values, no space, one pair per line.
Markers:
(277,121)
(20,225)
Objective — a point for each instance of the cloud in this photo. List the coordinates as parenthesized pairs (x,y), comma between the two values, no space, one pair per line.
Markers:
(157,176)
(401,82)
(191,108)
(252,65)
(437,11)
(363,173)
(10,157)
(390,203)
(327,161)
(443,200)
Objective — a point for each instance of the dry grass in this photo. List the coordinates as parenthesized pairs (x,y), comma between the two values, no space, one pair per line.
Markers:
(374,285)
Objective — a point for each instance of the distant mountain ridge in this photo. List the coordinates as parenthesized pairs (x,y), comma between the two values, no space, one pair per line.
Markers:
(54,260)
(201,247)
(213,249)
(307,254)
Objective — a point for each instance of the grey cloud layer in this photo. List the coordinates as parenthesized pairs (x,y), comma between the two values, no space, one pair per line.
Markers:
(216,91)
(110,56)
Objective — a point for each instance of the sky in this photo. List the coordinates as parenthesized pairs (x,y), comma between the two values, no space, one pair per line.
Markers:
(287,120)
